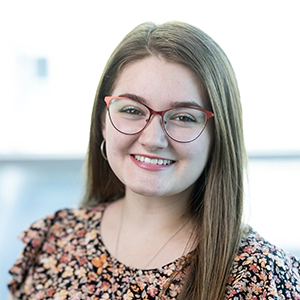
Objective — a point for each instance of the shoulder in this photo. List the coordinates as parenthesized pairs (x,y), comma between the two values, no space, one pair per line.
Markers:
(53,233)
(263,270)
(63,220)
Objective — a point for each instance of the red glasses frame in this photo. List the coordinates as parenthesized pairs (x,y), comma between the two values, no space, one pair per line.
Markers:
(208,114)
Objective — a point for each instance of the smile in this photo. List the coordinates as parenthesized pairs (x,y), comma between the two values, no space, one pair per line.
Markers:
(153,161)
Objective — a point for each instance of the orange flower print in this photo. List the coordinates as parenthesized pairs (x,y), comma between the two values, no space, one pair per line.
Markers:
(61,295)
(78,227)
(81,272)
(255,288)
(50,292)
(174,290)
(250,260)
(56,227)
(168,271)
(253,268)
(100,263)
(65,258)
(48,283)
(152,290)
(65,267)
(59,268)
(28,285)
(92,276)
(262,262)
(129,295)
(49,248)
(81,233)
(49,262)
(141,284)
(90,251)
(61,243)
(105,286)
(89,289)
(68,272)
(289,285)
(39,224)
(161,280)
(35,243)
(32,234)
(249,249)
(91,235)
(82,260)
(135,288)
(69,248)
(79,253)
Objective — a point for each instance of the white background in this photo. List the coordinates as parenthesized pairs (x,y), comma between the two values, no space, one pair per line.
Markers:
(50,116)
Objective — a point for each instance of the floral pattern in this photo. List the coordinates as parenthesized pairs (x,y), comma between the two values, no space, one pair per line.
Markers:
(263,271)
(65,258)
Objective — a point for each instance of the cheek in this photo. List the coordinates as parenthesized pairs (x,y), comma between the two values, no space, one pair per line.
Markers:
(206,141)
(116,142)
(200,152)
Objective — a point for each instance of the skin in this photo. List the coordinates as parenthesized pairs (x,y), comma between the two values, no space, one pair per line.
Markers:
(156,197)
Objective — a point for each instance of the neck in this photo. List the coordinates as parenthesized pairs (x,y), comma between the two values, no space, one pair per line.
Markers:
(161,212)
(147,231)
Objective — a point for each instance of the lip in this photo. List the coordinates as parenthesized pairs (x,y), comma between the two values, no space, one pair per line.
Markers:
(156,164)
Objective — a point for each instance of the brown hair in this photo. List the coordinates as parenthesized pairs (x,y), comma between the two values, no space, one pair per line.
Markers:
(216,203)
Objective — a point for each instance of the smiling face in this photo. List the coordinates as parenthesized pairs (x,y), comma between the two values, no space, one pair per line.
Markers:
(150,163)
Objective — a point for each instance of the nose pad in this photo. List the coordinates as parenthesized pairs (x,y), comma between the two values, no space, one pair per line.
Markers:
(160,122)
(154,135)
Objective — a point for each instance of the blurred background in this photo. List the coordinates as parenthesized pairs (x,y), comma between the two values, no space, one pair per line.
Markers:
(51,56)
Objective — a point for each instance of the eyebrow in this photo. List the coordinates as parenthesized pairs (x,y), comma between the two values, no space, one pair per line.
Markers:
(135,97)
(186,103)
(173,104)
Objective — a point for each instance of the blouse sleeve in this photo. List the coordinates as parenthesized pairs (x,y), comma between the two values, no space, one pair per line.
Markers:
(33,238)
(268,273)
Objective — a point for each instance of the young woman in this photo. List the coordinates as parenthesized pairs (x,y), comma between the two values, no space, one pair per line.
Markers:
(162,214)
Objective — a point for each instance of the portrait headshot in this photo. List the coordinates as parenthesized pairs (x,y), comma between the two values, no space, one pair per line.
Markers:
(150,153)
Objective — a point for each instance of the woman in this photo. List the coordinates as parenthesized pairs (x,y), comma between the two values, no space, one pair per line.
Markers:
(162,214)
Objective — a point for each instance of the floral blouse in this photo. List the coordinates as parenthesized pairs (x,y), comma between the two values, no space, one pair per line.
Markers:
(65,258)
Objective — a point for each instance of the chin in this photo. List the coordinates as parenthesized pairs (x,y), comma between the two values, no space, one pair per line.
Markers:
(153,192)
(150,193)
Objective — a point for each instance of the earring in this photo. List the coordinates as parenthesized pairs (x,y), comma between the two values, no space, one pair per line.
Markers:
(102,149)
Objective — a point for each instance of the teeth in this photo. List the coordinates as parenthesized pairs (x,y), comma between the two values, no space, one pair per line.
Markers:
(153,161)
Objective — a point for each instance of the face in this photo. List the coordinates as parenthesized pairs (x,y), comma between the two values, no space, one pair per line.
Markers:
(150,163)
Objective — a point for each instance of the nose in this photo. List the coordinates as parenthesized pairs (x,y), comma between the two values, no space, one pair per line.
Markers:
(153,136)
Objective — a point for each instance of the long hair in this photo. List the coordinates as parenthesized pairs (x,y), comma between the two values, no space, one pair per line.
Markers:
(216,203)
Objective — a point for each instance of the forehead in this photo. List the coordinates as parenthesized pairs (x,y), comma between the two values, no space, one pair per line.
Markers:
(160,83)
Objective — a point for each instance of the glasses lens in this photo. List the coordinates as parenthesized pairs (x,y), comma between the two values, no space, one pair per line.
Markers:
(128,116)
(185,124)
(181,124)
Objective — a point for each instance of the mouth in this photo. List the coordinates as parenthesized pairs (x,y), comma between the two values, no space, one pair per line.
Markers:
(153,161)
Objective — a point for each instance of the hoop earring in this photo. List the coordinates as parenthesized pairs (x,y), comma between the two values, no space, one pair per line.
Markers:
(102,149)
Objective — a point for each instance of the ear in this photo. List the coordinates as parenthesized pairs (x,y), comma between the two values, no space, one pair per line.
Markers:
(103,124)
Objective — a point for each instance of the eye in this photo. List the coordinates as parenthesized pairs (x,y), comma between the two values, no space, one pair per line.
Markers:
(131,110)
(184,118)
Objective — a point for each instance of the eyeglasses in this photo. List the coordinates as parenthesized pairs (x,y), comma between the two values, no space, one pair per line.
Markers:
(182,124)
